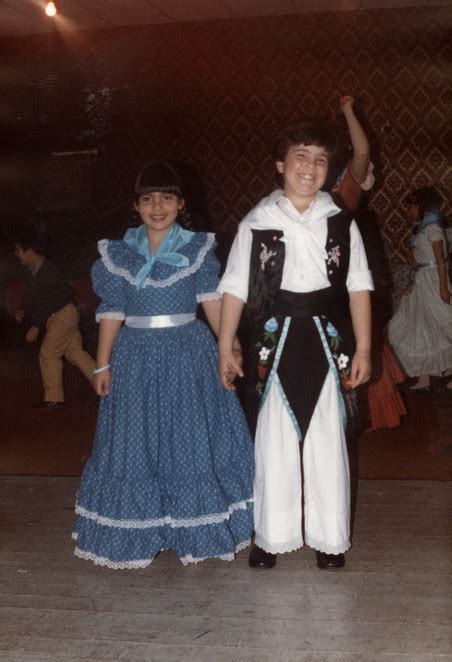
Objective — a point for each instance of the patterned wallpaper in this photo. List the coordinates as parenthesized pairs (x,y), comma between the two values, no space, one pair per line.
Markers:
(213,95)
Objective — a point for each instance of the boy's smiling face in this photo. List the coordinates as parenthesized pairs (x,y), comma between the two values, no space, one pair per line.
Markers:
(304,170)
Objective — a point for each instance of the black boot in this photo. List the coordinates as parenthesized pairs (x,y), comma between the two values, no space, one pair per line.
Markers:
(329,561)
(259,558)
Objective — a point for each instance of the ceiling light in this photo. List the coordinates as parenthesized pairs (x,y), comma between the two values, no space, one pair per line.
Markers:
(51,9)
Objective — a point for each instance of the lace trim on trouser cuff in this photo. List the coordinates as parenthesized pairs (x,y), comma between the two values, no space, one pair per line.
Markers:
(278,547)
(143,563)
(325,547)
(215,518)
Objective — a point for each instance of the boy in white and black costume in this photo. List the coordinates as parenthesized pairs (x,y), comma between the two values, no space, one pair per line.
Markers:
(300,265)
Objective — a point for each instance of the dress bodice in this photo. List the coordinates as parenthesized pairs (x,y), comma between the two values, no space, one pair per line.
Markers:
(423,250)
(167,290)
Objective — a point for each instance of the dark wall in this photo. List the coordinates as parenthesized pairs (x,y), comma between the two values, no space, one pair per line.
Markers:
(213,95)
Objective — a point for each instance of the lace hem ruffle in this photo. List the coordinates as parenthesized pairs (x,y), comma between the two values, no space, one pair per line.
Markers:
(143,563)
(166,282)
(110,316)
(214,518)
(209,296)
(278,548)
(186,560)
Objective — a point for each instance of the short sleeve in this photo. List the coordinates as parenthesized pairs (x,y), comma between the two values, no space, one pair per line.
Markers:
(207,278)
(359,276)
(348,189)
(236,276)
(110,290)
(434,232)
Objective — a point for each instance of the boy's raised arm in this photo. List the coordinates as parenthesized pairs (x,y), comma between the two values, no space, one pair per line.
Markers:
(360,144)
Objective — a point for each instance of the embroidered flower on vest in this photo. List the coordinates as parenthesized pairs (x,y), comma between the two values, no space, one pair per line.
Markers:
(334,255)
(265,255)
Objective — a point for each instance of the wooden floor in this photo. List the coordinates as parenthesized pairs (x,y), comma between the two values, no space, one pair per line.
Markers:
(392,601)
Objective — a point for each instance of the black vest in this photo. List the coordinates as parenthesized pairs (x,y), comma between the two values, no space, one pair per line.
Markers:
(267,262)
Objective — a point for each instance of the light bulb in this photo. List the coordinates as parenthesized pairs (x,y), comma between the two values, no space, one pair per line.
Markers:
(51,9)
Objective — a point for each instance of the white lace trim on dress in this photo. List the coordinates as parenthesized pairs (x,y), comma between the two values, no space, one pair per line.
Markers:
(185,560)
(215,518)
(278,547)
(167,282)
(110,316)
(144,563)
(209,296)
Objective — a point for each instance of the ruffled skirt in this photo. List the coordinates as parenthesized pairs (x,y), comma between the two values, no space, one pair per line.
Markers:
(172,461)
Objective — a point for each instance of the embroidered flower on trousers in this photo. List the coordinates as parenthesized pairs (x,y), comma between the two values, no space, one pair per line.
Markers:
(331,331)
(342,361)
(264,353)
(271,325)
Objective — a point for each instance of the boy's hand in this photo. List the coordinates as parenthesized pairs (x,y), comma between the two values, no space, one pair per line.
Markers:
(360,370)
(101,382)
(230,366)
(346,103)
(32,334)
(19,315)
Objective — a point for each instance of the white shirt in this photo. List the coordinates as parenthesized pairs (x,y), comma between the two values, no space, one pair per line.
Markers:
(305,236)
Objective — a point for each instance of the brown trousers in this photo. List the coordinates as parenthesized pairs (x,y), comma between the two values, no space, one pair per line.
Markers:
(62,338)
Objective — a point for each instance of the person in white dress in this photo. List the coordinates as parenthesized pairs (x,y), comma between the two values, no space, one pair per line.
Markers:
(420,332)
(299,264)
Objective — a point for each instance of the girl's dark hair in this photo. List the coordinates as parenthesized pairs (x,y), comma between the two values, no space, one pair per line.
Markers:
(319,132)
(426,197)
(158,176)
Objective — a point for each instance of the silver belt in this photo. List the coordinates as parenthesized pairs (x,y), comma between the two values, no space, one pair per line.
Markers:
(159,321)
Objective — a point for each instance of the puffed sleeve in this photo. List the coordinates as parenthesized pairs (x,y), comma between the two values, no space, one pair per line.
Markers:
(109,288)
(359,276)
(236,276)
(207,276)
(434,232)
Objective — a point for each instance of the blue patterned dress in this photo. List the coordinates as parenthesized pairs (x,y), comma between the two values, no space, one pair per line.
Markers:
(172,461)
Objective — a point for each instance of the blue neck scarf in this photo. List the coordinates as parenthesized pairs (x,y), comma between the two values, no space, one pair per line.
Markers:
(431,216)
(137,240)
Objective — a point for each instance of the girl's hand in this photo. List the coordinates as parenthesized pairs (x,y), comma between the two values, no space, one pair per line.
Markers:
(101,382)
(32,334)
(19,315)
(230,366)
(444,294)
(360,370)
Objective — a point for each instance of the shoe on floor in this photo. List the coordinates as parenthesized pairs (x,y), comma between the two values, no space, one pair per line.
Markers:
(259,558)
(327,561)
(48,405)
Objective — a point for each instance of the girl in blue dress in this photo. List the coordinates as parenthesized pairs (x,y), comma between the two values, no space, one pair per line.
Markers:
(172,461)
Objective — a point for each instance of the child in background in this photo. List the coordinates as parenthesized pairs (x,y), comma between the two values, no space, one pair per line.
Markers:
(48,305)
(299,264)
(172,464)
(421,330)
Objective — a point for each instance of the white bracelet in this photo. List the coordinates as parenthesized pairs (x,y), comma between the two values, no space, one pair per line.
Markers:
(103,369)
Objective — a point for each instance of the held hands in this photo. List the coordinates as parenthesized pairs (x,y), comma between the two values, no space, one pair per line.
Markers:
(32,334)
(101,382)
(230,366)
(360,370)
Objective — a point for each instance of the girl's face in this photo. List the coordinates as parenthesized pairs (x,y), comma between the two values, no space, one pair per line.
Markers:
(413,210)
(159,210)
